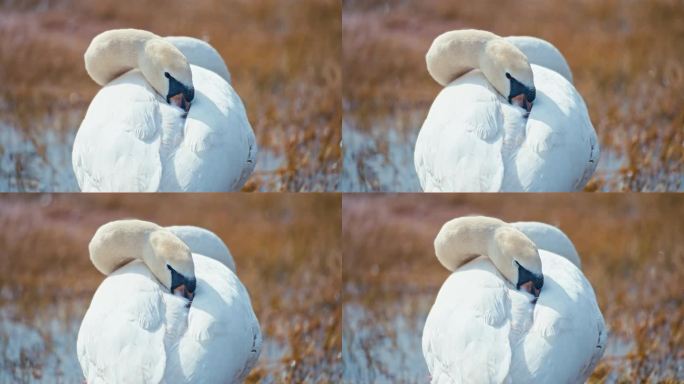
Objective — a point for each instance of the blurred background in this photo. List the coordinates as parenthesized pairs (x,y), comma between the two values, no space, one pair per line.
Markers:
(286,248)
(631,251)
(284,57)
(625,56)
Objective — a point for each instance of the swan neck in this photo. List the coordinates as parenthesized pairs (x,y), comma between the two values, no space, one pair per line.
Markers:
(463,239)
(115,52)
(455,53)
(114,245)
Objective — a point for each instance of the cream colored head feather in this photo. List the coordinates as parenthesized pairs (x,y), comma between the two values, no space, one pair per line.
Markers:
(120,242)
(514,255)
(456,52)
(114,52)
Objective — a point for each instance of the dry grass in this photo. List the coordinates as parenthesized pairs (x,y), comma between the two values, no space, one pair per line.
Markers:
(284,57)
(631,251)
(626,58)
(286,248)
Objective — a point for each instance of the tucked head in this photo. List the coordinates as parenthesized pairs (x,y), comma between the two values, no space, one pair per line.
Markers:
(509,71)
(513,254)
(522,264)
(171,262)
(168,71)
(168,258)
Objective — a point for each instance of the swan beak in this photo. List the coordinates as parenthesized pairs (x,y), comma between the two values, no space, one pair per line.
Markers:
(180,101)
(182,291)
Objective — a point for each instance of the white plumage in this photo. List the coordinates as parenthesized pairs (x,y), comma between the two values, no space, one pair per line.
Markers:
(474,140)
(132,140)
(482,330)
(135,331)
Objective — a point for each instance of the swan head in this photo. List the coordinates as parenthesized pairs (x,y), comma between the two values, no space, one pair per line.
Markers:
(509,71)
(165,255)
(517,258)
(513,254)
(168,71)
(170,260)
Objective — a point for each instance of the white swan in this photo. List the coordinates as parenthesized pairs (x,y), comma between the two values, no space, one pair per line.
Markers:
(167,118)
(167,312)
(501,123)
(487,326)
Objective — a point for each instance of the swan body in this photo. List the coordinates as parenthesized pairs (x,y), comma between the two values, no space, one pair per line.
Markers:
(475,140)
(482,330)
(136,331)
(132,139)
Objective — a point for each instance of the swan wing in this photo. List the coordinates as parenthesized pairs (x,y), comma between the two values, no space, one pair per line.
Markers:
(568,336)
(218,150)
(466,334)
(206,243)
(117,145)
(550,238)
(121,339)
(200,53)
(541,52)
(223,340)
(459,145)
(561,150)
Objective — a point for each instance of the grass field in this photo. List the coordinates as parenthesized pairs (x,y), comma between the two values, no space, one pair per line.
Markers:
(286,248)
(284,57)
(626,58)
(630,246)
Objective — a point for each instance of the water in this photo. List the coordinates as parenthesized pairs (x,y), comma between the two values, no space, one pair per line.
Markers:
(39,350)
(40,162)
(379,160)
(385,351)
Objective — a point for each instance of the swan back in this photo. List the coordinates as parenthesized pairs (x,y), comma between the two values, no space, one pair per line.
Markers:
(543,53)
(200,53)
(204,242)
(550,238)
